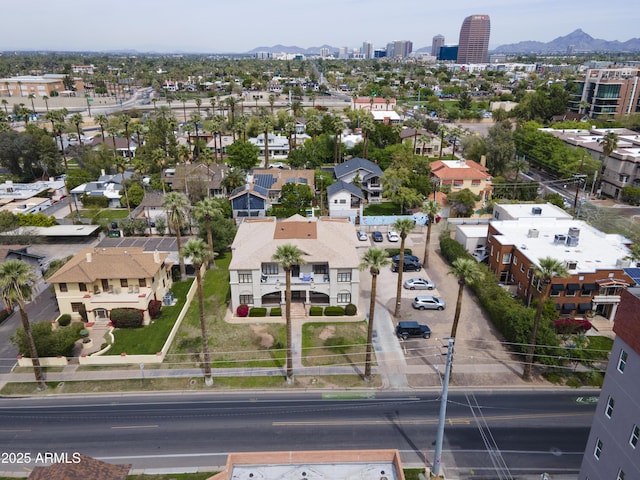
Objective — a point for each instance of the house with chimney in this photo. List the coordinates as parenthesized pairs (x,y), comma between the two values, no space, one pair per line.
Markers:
(102,279)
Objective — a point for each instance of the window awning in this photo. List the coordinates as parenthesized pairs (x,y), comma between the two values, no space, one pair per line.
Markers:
(573,287)
(584,307)
(557,287)
(588,287)
(568,307)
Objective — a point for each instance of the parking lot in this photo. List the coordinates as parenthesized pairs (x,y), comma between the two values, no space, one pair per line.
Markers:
(480,357)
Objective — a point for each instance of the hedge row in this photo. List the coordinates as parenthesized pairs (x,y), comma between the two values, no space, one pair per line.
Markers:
(510,316)
(392,252)
(126,317)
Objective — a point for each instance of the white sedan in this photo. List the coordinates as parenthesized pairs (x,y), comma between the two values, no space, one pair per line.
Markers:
(393,236)
(419,284)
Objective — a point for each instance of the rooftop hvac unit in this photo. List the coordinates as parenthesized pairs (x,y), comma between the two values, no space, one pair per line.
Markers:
(574,231)
(572,241)
(623,262)
(533,233)
(559,239)
(536,211)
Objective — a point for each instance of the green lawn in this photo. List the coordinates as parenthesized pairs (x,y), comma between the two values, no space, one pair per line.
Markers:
(334,343)
(150,339)
(385,208)
(104,215)
(231,345)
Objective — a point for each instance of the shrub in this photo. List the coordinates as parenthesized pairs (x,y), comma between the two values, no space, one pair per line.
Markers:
(350,310)
(242,310)
(276,312)
(154,308)
(127,317)
(572,326)
(315,311)
(392,252)
(258,312)
(48,343)
(335,311)
(90,201)
(64,320)
(82,310)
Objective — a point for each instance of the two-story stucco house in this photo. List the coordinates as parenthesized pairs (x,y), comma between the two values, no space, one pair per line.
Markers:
(461,174)
(103,279)
(344,199)
(328,276)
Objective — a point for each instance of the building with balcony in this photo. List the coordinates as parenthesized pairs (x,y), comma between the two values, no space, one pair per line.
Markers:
(613,447)
(364,174)
(595,262)
(423,142)
(277,145)
(103,279)
(607,92)
(328,276)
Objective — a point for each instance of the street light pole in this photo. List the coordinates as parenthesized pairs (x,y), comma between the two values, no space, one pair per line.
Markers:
(437,459)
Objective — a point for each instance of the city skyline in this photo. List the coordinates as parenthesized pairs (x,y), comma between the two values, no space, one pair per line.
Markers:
(194,26)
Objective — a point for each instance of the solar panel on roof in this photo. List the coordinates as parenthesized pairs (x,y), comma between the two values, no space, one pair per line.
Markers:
(260,190)
(634,273)
(290,180)
(302,180)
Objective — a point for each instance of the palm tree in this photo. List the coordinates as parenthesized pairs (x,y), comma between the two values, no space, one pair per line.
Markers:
(177,205)
(125,120)
(374,259)
(287,256)
(517,165)
(431,208)
(102,120)
(468,272)
(154,100)
(609,142)
(32,96)
(338,126)
(403,226)
(5,104)
(197,250)
(183,99)
(207,210)
(266,123)
(198,104)
(195,121)
(16,281)
(548,269)
(368,127)
(121,167)
(76,119)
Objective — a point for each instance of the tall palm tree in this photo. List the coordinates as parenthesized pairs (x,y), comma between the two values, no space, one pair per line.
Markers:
(468,272)
(368,127)
(32,96)
(5,104)
(198,104)
(195,121)
(76,119)
(338,126)
(16,281)
(609,142)
(197,250)
(266,124)
(374,259)
(207,210)
(102,120)
(403,226)
(177,206)
(183,99)
(121,167)
(548,269)
(287,256)
(517,166)
(431,209)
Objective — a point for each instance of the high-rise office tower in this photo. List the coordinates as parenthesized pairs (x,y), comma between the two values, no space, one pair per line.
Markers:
(474,39)
(437,42)
(367,49)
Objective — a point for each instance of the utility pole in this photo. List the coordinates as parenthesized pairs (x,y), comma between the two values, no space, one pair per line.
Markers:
(437,459)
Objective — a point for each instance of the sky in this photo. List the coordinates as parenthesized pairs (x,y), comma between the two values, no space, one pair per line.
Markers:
(237,26)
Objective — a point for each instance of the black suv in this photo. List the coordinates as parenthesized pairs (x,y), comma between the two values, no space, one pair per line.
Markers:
(404,330)
(410,265)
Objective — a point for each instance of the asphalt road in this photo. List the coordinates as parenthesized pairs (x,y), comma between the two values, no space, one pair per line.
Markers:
(527,432)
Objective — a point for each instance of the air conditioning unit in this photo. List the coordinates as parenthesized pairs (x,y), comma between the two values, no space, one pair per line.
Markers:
(536,211)
(559,239)
(574,231)
(571,264)
(572,241)
(533,233)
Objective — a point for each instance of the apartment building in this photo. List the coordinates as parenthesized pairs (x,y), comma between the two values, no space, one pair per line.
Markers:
(607,92)
(328,276)
(613,446)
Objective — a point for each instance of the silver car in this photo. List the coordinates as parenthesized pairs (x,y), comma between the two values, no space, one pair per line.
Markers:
(428,303)
(362,236)
(418,284)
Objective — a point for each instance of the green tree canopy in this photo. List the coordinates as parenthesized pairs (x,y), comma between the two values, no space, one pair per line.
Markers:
(296,195)
(243,155)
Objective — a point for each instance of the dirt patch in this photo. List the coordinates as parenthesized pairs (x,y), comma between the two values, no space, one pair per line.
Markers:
(327,332)
(266,339)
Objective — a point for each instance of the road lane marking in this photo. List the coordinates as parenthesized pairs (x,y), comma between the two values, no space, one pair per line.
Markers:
(434,421)
(135,426)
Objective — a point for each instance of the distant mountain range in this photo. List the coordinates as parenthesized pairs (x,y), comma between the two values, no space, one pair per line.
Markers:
(576,42)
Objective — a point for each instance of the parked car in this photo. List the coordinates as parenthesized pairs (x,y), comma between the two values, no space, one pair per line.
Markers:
(404,330)
(409,266)
(413,258)
(377,236)
(362,235)
(393,236)
(428,303)
(419,284)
